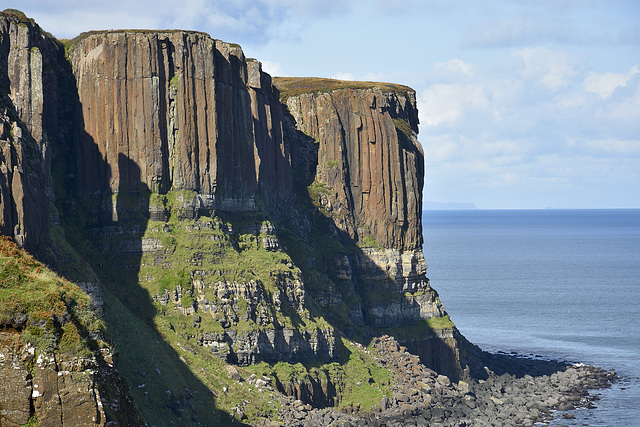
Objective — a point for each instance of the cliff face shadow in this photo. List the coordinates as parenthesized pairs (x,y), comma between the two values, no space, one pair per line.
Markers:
(106,228)
(358,298)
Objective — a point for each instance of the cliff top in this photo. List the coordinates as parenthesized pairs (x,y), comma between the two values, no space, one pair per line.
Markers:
(20,15)
(292,86)
(71,43)
(138,30)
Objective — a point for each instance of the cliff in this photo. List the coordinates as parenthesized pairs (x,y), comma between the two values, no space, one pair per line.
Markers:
(230,229)
(28,121)
(55,365)
(369,158)
(187,112)
(366,175)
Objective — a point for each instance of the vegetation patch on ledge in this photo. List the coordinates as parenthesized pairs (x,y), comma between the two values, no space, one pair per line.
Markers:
(53,313)
(420,329)
(292,86)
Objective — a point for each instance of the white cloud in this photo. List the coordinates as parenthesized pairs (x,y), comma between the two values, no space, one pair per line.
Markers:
(257,21)
(604,84)
(273,68)
(446,103)
(553,69)
(513,31)
(374,77)
(442,148)
(615,147)
(343,76)
(455,66)
(530,125)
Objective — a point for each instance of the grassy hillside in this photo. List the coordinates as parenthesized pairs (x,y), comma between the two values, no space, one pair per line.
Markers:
(154,311)
(54,314)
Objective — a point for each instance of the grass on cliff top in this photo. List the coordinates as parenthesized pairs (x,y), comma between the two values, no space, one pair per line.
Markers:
(292,86)
(53,313)
(18,14)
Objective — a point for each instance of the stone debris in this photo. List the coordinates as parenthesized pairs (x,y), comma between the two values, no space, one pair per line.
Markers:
(421,397)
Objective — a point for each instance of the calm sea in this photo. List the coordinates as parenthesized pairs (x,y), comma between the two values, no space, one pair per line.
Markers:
(562,284)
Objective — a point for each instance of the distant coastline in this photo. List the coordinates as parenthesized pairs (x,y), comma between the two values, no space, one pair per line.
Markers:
(458,206)
(449,206)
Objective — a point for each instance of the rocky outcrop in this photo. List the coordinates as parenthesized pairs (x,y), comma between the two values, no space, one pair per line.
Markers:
(365,167)
(177,111)
(59,389)
(370,166)
(422,397)
(28,125)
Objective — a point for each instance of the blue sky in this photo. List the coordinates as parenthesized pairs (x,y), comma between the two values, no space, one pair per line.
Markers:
(523,103)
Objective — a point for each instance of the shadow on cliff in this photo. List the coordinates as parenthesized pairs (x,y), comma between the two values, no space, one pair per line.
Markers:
(332,265)
(164,389)
(163,385)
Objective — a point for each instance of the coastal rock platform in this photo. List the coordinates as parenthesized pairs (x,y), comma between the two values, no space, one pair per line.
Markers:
(523,391)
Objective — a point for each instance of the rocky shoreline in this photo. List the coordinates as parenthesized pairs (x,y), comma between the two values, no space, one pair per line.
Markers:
(519,392)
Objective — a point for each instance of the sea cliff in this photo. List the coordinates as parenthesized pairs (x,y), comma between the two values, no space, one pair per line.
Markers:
(242,240)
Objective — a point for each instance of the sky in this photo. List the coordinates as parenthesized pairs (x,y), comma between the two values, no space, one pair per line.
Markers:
(523,104)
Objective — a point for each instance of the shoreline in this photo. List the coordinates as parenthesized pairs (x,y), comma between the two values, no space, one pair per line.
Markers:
(516,391)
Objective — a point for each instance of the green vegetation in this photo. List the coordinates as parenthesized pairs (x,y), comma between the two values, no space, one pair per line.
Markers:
(293,86)
(358,380)
(56,314)
(403,127)
(221,261)
(18,14)
(316,190)
(367,241)
(331,164)
(33,422)
(440,322)
(194,260)
(44,340)
(175,80)
(419,330)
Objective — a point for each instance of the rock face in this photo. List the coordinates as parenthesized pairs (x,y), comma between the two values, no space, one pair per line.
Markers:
(28,125)
(57,389)
(366,175)
(185,111)
(370,169)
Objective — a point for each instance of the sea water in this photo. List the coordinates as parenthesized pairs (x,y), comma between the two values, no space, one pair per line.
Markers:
(561,284)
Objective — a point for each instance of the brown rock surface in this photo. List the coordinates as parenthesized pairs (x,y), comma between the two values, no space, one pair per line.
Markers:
(370,169)
(57,389)
(176,110)
(28,116)
(186,110)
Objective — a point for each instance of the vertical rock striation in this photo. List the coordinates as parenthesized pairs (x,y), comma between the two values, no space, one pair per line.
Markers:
(28,127)
(368,156)
(176,156)
(368,178)
(189,112)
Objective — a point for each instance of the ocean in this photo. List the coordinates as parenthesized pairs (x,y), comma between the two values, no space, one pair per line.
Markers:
(560,284)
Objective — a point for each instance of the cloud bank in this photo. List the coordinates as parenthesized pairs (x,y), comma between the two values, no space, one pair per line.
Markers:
(539,130)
